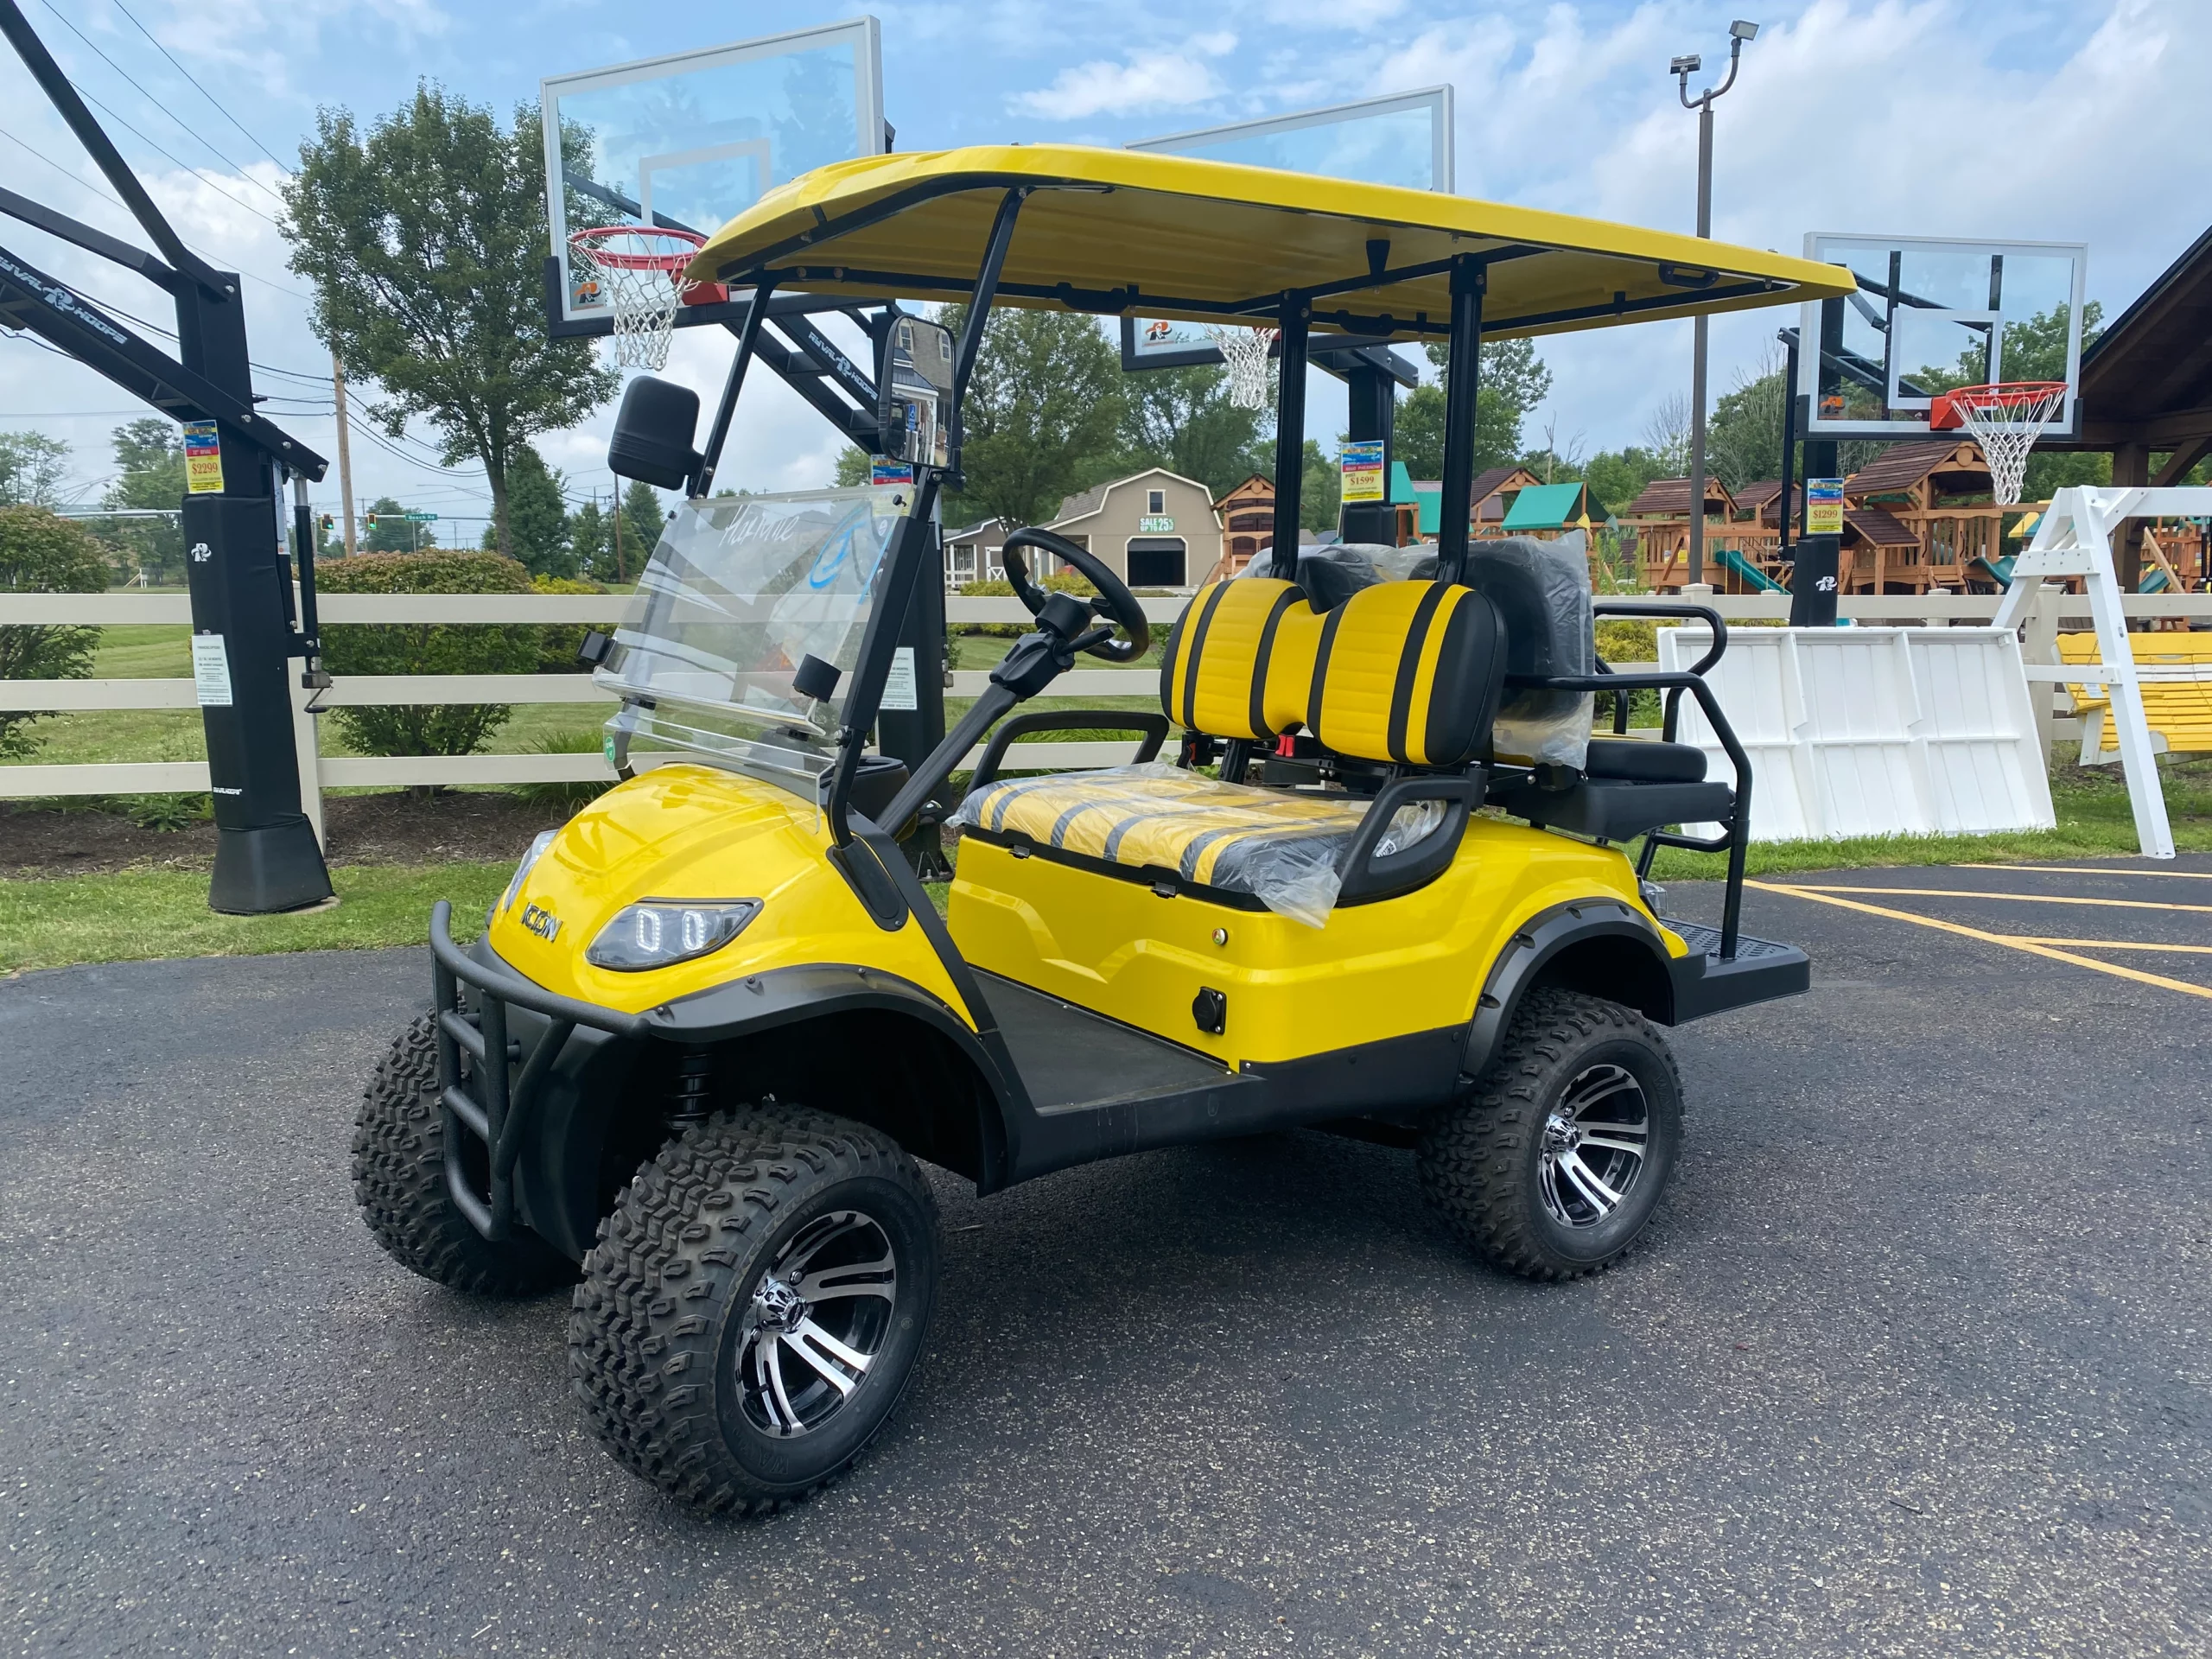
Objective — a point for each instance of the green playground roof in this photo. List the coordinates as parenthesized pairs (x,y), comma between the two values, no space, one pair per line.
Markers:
(1546,506)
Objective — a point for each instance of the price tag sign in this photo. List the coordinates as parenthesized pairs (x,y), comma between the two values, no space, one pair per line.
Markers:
(1360,465)
(1824,506)
(899,692)
(210,671)
(203,460)
(881,470)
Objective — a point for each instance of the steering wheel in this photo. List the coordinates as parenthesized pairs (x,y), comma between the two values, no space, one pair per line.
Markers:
(1114,600)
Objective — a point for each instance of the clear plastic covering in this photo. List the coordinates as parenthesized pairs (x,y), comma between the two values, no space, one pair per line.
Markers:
(1543,592)
(740,589)
(1287,849)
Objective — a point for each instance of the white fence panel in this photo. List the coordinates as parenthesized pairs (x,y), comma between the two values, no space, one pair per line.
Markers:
(1890,731)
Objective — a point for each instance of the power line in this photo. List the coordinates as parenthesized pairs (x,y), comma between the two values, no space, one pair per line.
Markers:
(203,91)
(163,107)
(174,157)
(87,185)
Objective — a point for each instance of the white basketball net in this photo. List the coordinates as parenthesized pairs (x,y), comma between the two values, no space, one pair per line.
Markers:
(2005,421)
(1244,351)
(637,268)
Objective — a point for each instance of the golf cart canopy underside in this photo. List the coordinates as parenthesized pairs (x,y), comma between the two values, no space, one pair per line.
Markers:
(1112,231)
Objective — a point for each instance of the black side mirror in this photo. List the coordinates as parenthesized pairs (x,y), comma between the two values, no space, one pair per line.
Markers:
(913,379)
(652,434)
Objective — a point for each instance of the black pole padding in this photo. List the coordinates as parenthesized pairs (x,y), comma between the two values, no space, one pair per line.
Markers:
(1814,584)
(266,857)
(1462,382)
(1290,426)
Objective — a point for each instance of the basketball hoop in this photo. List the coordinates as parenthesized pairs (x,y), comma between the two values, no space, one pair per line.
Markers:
(639,269)
(1244,351)
(2005,420)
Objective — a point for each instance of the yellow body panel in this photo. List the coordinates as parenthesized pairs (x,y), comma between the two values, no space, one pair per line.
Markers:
(1190,237)
(698,832)
(1413,963)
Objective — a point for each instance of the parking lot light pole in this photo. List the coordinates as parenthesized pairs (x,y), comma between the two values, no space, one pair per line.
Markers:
(1682,69)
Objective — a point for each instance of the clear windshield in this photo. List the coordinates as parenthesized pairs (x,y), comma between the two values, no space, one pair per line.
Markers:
(740,589)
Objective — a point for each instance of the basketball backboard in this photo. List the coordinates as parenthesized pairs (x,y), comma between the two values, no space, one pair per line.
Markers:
(1930,315)
(689,141)
(1405,139)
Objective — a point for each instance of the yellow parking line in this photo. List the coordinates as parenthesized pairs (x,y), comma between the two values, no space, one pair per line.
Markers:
(2115,945)
(2015,898)
(2087,870)
(2009,941)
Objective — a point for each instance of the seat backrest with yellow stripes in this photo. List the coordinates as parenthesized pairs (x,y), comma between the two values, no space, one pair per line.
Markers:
(1240,658)
(1407,672)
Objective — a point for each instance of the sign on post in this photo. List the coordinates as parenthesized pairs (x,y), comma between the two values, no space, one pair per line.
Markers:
(1359,465)
(203,458)
(1824,506)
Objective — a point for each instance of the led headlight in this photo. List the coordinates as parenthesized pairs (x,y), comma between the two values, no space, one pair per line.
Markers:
(654,932)
(536,851)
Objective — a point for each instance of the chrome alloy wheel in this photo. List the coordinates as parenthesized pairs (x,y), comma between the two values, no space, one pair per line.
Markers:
(1594,1142)
(818,1317)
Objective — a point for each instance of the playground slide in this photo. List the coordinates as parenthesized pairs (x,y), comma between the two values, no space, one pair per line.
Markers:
(1749,572)
(1997,570)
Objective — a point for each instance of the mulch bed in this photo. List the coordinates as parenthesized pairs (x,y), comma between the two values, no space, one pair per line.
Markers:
(394,828)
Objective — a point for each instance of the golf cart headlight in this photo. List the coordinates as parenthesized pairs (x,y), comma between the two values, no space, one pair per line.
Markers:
(655,933)
(536,851)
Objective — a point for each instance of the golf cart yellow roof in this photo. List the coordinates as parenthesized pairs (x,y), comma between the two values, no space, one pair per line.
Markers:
(1172,236)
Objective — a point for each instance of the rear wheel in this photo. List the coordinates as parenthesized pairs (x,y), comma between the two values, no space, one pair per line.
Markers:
(399,1180)
(1552,1163)
(753,1310)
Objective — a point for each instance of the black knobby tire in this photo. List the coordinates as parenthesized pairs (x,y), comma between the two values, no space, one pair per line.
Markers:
(1490,1162)
(669,1302)
(399,1180)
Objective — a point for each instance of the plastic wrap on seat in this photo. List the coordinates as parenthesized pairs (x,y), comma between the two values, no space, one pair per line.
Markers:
(1285,849)
(1541,590)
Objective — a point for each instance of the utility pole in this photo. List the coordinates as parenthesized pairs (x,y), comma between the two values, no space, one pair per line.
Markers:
(344,453)
(1682,69)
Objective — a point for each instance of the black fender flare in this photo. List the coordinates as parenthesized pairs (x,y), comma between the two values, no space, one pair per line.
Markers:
(1538,942)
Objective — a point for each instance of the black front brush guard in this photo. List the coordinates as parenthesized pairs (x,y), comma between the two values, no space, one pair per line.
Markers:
(502,1109)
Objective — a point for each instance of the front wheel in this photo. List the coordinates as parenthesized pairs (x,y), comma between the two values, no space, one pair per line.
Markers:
(753,1307)
(1552,1163)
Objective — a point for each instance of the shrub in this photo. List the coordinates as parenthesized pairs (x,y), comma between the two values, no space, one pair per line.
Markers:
(1060,582)
(563,640)
(427,648)
(42,554)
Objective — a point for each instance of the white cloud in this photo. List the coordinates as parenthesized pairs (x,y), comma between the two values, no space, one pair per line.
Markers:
(1142,82)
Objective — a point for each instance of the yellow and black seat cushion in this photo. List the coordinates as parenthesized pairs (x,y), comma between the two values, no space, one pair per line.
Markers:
(1408,673)
(1232,840)
(1239,660)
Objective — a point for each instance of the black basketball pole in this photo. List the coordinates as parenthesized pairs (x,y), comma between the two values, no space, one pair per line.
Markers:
(266,855)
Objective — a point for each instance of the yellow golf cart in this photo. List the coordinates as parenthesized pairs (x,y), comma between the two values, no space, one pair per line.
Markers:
(1382,887)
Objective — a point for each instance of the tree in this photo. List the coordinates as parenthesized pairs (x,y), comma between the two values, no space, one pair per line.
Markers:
(1319,487)
(853,463)
(1617,477)
(42,554)
(1511,381)
(643,520)
(591,542)
(425,239)
(1044,406)
(31,467)
(537,516)
(1743,440)
(148,474)
(1667,434)
(1182,419)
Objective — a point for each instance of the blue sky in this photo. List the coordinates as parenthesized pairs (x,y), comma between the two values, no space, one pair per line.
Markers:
(2078,121)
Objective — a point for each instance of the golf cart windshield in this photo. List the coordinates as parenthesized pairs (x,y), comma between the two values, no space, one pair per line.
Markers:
(740,590)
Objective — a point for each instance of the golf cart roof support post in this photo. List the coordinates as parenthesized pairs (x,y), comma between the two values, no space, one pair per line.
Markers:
(1462,382)
(979,312)
(748,337)
(106,156)
(1290,421)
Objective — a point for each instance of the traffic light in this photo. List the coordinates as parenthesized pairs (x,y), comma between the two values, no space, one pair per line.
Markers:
(372,521)
(328,522)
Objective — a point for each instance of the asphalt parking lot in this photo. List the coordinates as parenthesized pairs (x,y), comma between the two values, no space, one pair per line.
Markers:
(1917,1359)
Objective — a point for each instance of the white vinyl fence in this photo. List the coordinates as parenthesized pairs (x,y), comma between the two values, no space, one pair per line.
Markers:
(319,771)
